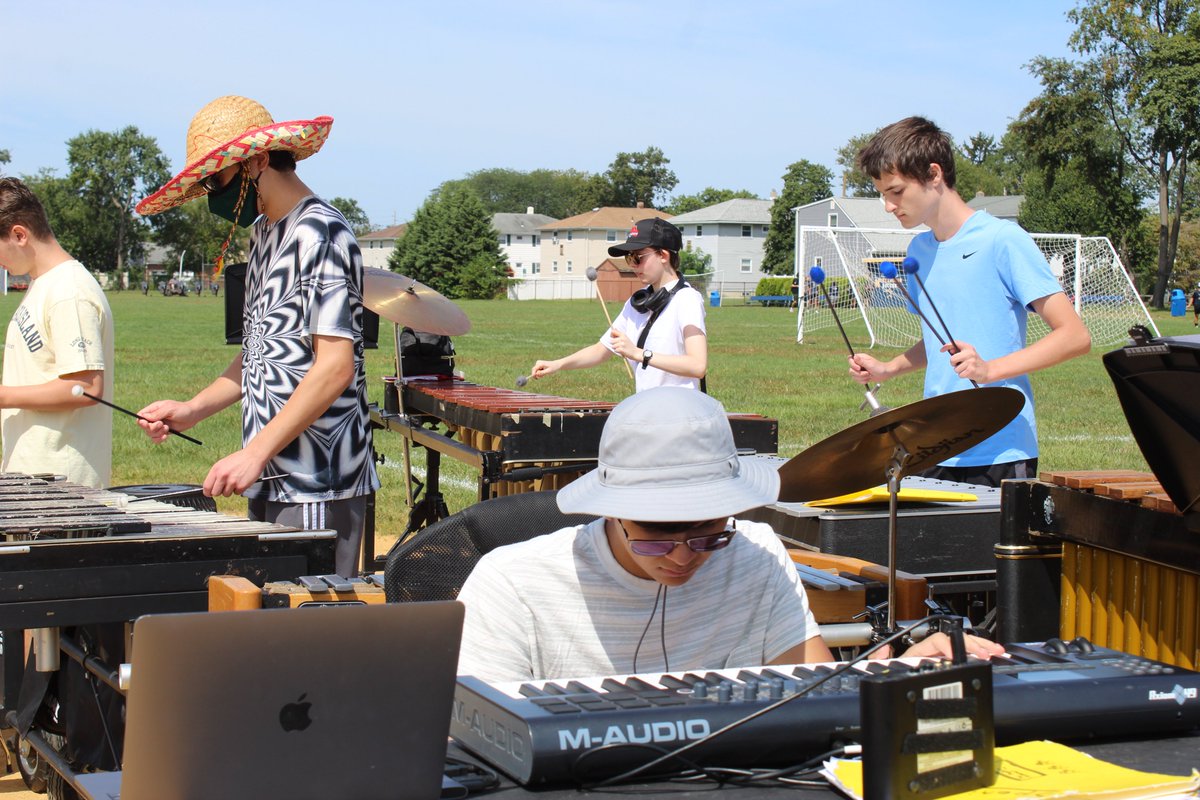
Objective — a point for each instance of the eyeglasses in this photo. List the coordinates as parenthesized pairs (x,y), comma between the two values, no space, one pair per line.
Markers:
(655,548)
(633,259)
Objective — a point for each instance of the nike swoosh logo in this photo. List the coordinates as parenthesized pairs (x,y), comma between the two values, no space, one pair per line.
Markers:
(968,255)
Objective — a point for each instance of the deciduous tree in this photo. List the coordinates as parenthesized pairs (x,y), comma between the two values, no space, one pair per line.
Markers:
(109,172)
(640,177)
(355,216)
(855,182)
(1146,54)
(803,183)
(682,204)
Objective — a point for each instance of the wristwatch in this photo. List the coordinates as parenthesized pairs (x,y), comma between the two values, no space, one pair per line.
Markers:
(646,356)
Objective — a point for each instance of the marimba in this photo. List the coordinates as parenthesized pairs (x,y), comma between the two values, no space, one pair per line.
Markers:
(522,441)
(1101,555)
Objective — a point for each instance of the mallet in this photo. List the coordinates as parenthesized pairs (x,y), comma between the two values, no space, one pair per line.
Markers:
(888,270)
(818,277)
(592,275)
(192,489)
(78,391)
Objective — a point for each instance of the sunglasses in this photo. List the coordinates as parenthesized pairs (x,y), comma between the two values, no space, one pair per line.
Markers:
(655,548)
(634,259)
(212,183)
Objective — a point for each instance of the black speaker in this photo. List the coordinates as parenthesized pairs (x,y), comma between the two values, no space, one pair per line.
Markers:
(235,294)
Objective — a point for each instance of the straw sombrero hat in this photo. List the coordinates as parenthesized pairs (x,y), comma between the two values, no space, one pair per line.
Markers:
(228,130)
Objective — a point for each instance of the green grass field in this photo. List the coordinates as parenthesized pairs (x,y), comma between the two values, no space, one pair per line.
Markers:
(170,347)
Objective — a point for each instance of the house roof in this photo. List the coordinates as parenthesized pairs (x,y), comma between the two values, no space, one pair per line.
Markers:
(520,224)
(390,232)
(1004,206)
(606,218)
(868,212)
(617,264)
(738,210)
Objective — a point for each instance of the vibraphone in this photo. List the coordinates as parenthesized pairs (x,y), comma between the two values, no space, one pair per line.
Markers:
(521,441)
(77,556)
(1110,554)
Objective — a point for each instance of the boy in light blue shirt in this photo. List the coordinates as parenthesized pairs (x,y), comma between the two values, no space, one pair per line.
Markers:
(986,275)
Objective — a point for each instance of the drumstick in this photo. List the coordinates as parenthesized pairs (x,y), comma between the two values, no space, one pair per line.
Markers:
(592,274)
(818,277)
(78,391)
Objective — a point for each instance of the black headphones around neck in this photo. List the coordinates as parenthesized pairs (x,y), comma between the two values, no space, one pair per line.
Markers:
(650,301)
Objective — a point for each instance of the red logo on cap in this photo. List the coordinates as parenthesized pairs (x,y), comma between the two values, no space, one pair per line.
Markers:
(633,232)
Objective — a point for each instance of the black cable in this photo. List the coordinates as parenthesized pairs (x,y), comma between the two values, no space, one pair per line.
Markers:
(755,715)
(662,632)
(658,592)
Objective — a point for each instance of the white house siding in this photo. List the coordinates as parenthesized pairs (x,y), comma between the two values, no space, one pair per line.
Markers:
(376,252)
(584,248)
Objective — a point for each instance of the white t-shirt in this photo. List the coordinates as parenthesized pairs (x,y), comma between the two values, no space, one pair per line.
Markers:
(666,336)
(63,325)
(560,605)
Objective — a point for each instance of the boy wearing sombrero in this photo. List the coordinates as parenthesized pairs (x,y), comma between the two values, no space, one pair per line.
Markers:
(300,376)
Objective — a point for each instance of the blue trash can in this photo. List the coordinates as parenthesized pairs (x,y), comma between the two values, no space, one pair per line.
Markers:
(1178,303)
(714,299)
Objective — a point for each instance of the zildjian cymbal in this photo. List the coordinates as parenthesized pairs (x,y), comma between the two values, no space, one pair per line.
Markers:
(410,303)
(931,430)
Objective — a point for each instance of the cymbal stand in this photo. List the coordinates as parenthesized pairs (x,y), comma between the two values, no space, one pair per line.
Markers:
(895,471)
(432,507)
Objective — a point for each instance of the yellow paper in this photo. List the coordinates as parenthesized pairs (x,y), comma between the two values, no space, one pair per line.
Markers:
(879,494)
(1045,771)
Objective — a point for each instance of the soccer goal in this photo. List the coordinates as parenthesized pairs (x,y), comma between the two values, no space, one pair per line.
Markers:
(1087,268)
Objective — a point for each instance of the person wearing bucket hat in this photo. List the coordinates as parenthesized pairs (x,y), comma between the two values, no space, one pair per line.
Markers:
(666,551)
(660,331)
(60,337)
(300,376)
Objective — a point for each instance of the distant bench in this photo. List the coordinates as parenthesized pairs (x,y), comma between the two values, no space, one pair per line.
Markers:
(770,299)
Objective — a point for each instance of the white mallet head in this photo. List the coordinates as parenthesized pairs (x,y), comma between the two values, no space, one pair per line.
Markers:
(592,274)
(522,380)
(77,390)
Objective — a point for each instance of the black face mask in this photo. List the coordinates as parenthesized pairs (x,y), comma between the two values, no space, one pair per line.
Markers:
(223,202)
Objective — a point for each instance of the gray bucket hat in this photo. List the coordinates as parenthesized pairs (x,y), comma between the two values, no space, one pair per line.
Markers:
(667,455)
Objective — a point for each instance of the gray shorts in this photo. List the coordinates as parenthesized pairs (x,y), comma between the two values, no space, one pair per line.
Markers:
(344,516)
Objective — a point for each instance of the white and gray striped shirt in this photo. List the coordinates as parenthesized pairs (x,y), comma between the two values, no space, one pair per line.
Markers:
(560,606)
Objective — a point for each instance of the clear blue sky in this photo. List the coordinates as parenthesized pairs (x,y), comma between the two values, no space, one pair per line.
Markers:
(423,92)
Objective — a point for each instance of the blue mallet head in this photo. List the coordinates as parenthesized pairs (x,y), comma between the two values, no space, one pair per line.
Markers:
(817,274)
(888,270)
(911,265)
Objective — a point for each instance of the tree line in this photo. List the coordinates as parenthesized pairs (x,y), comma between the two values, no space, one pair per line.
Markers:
(1104,149)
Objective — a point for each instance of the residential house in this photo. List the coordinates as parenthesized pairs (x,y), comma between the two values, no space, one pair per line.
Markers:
(733,233)
(520,240)
(377,246)
(859,212)
(571,245)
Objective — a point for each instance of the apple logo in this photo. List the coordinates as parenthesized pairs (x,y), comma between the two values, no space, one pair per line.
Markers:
(294,716)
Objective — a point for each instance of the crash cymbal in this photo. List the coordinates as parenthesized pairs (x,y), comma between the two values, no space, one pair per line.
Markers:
(932,430)
(411,303)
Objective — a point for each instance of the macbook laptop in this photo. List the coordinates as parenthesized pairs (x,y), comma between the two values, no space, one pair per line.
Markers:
(328,702)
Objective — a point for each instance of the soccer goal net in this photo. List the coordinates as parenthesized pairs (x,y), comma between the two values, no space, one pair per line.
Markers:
(1087,268)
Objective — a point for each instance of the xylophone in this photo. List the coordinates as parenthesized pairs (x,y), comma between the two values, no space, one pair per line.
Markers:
(1105,555)
(573,729)
(523,441)
(73,555)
